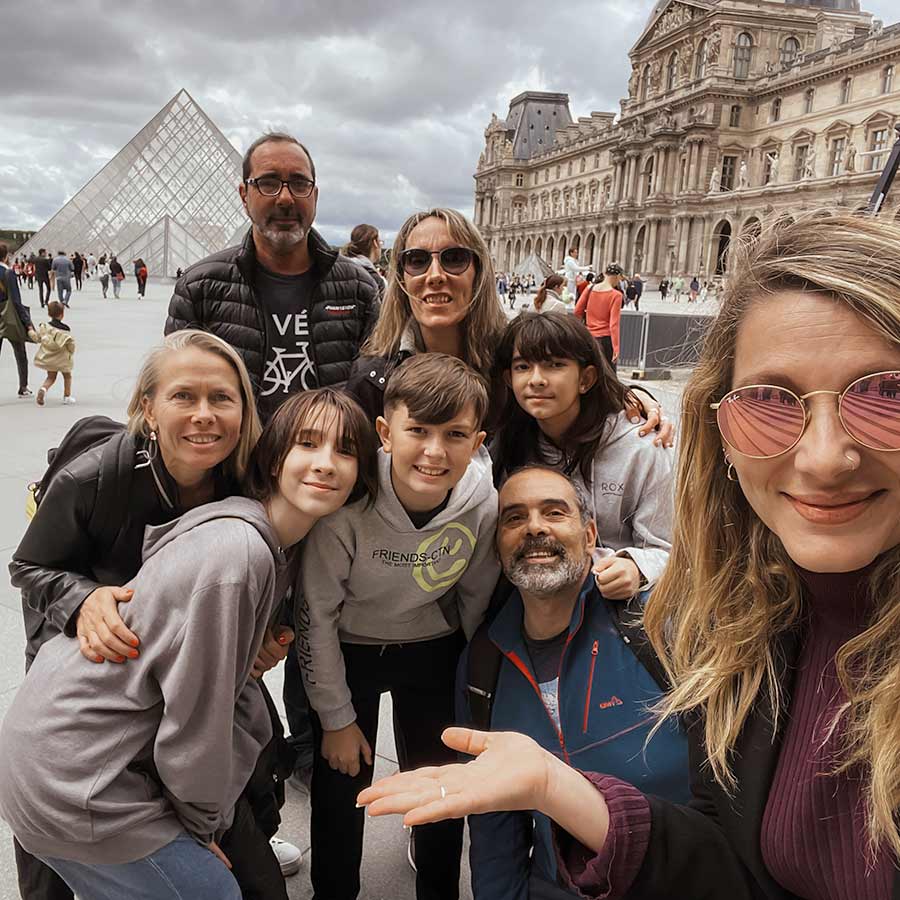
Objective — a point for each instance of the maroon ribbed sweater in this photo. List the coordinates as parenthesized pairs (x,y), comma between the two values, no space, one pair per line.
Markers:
(813,831)
(813,835)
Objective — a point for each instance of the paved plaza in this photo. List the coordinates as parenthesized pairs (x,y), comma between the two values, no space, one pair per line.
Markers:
(112,336)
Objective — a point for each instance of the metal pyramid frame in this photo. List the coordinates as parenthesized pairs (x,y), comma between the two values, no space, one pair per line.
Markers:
(169,196)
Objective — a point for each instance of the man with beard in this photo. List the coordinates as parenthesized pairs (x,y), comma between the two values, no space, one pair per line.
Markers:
(293,308)
(297,313)
(568,668)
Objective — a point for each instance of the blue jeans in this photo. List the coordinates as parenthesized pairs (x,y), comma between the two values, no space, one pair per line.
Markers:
(64,289)
(181,869)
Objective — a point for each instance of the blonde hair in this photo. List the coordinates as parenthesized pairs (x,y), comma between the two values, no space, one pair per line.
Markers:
(485,320)
(726,598)
(148,381)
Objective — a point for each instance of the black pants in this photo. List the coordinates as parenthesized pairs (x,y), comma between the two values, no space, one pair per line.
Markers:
(296,703)
(44,283)
(21,362)
(420,677)
(142,285)
(606,348)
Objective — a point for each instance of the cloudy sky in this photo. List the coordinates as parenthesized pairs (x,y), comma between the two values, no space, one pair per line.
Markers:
(391,97)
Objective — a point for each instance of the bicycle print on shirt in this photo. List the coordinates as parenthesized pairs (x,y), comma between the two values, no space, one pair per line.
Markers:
(289,363)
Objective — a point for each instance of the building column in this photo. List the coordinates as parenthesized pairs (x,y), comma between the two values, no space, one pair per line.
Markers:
(698,172)
(626,248)
(650,259)
(684,235)
(693,165)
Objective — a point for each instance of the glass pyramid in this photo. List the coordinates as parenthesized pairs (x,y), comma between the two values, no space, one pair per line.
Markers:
(169,196)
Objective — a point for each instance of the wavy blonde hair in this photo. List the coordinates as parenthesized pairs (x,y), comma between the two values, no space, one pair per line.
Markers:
(148,380)
(485,321)
(724,600)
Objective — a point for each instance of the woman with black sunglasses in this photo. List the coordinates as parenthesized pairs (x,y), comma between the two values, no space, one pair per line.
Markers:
(442,298)
(778,617)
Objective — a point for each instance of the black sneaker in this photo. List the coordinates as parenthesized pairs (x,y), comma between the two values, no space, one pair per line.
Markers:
(24,392)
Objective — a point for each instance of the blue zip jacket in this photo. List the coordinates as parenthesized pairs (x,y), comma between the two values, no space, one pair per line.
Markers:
(604,692)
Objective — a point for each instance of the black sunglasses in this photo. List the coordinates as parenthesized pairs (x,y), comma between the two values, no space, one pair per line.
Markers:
(453,260)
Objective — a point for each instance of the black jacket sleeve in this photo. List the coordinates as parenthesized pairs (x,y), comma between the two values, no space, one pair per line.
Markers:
(181,313)
(690,854)
(12,292)
(55,547)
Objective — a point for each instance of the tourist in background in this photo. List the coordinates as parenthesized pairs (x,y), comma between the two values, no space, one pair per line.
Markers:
(102,269)
(638,283)
(502,287)
(117,275)
(600,307)
(664,289)
(704,292)
(56,353)
(677,288)
(140,273)
(571,269)
(91,265)
(695,289)
(42,266)
(547,298)
(78,266)
(63,270)
(29,273)
(365,250)
(15,320)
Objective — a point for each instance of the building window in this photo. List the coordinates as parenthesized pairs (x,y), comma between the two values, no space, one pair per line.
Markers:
(729,168)
(800,154)
(887,79)
(734,119)
(596,160)
(520,179)
(743,55)
(836,156)
(808,100)
(569,168)
(846,90)
(671,72)
(583,163)
(775,115)
(645,83)
(558,172)
(702,59)
(546,175)
(878,141)
(682,180)
(790,50)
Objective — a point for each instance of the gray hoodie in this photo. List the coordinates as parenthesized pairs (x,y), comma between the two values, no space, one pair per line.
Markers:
(108,763)
(371,577)
(633,493)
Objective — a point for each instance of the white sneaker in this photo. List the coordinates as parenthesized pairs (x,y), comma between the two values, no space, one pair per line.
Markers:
(289,857)
(69,401)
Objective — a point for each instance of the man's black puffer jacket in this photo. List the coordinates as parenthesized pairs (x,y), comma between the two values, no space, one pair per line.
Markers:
(217,295)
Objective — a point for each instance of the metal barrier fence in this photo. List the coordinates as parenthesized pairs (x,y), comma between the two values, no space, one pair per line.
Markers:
(660,340)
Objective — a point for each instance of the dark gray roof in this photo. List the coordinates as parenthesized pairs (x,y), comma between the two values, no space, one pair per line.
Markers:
(533,119)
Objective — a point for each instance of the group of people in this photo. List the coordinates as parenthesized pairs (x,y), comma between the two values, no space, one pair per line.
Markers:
(666,686)
(511,286)
(696,291)
(58,273)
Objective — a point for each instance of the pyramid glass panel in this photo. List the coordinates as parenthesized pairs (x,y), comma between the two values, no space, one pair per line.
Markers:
(169,196)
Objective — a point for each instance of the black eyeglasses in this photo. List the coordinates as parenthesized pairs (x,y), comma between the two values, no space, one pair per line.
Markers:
(453,260)
(270,186)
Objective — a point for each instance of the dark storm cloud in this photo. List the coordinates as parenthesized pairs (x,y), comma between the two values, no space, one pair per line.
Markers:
(392,98)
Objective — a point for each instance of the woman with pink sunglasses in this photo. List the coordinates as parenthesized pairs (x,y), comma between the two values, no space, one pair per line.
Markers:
(778,617)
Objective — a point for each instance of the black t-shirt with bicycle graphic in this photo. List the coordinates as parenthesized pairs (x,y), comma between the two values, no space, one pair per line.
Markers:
(285,301)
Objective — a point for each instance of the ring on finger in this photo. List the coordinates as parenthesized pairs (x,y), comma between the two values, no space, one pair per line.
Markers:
(443,792)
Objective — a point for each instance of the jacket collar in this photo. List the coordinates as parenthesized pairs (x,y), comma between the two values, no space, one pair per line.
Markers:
(507,631)
(323,257)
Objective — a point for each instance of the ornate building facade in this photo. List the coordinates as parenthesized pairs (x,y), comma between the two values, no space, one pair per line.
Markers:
(739,112)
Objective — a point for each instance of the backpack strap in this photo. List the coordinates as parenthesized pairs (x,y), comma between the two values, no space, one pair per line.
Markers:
(482,672)
(113,489)
(628,619)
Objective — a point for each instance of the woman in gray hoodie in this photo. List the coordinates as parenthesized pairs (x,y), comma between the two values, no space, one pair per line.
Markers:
(121,777)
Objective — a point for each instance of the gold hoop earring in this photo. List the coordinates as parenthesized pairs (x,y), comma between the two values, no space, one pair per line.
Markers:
(729,472)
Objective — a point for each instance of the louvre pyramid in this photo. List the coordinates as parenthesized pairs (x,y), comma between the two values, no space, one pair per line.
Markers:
(169,196)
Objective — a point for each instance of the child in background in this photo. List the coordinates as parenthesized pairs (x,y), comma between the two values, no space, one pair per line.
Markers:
(565,410)
(391,591)
(55,354)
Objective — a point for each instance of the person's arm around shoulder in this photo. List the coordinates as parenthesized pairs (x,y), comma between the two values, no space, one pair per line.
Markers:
(477,582)
(581,305)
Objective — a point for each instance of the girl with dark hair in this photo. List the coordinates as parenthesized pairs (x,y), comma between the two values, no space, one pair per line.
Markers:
(365,249)
(547,298)
(565,409)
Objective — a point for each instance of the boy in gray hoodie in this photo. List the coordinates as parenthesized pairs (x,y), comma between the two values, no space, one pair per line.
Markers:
(390,593)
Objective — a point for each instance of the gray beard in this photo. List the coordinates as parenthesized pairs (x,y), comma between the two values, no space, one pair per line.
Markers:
(542,581)
(282,242)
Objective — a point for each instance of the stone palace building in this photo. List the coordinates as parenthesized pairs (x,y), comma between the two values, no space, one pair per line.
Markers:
(738,112)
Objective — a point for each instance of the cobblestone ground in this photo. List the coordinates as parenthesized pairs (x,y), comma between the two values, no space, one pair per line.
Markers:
(112,336)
